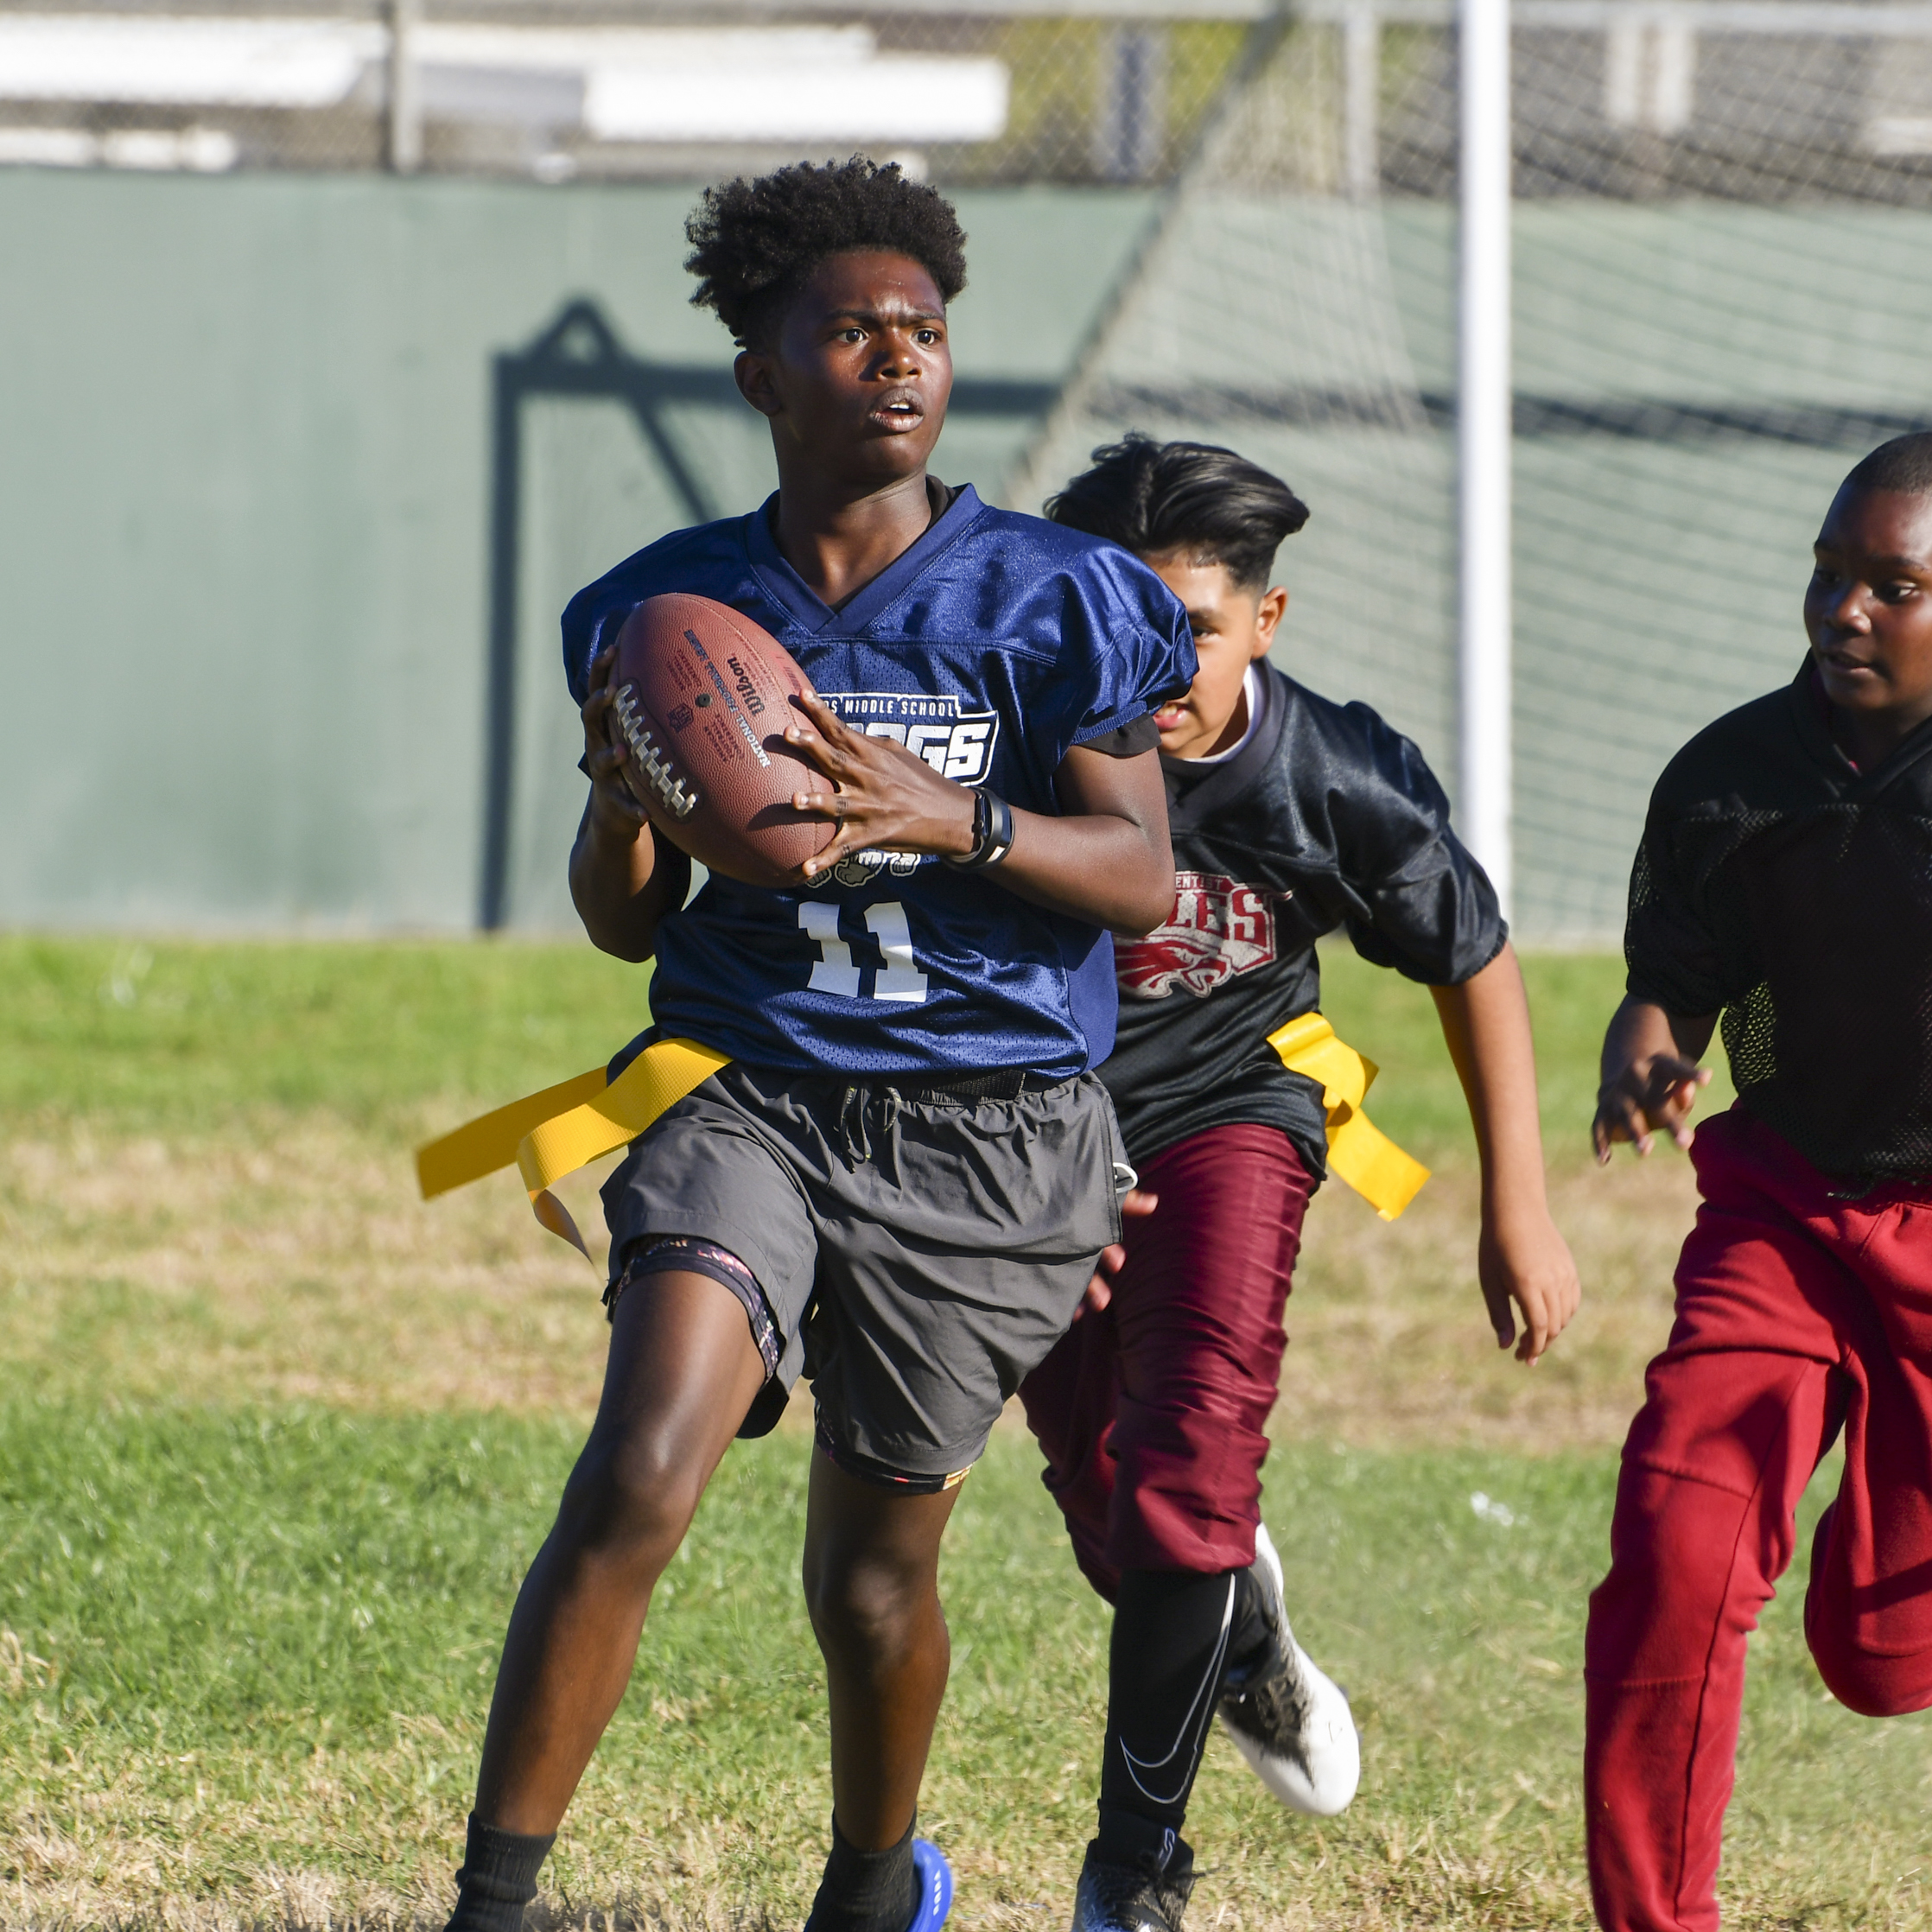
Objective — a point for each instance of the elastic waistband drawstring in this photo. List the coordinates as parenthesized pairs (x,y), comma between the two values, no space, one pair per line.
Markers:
(854,1122)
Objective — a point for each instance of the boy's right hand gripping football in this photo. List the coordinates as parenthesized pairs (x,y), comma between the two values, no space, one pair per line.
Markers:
(621,881)
(615,813)
(1651,1078)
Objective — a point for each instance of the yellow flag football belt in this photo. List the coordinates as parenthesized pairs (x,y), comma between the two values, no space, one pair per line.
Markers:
(1358,1150)
(554,1133)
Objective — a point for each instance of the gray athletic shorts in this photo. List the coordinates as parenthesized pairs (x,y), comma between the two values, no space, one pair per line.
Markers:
(916,1253)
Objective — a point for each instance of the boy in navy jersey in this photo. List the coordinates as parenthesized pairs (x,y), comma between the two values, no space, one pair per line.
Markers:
(1784,881)
(1290,816)
(908,1139)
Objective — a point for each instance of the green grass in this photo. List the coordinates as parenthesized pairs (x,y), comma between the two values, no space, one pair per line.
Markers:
(173,1036)
(245,1650)
(1417,1097)
(267,1642)
(167,1037)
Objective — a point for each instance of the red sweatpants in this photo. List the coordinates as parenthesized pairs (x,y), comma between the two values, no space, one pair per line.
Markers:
(1152,1412)
(1797,1313)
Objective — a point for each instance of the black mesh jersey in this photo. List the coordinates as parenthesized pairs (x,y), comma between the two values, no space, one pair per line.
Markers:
(1325,817)
(1779,883)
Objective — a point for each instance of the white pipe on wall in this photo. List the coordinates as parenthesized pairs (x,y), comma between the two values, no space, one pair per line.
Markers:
(405,88)
(1361,104)
(1483,429)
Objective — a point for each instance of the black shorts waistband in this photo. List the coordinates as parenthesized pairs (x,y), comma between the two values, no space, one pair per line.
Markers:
(1002,1082)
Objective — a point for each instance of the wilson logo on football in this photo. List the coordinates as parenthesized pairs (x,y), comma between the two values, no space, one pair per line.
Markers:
(742,684)
(676,797)
(956,744)
(1218,928)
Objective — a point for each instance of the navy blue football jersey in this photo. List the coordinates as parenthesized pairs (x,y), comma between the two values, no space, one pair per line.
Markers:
(995,645)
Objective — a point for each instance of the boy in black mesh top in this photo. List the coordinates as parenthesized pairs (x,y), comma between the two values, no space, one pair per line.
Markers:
(1784,881)
(1290,815)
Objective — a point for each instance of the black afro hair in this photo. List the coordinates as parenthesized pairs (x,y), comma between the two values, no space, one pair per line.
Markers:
(753,244)
(1905,464)
(1206,502)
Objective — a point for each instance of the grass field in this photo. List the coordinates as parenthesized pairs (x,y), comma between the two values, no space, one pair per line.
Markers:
(277,1442)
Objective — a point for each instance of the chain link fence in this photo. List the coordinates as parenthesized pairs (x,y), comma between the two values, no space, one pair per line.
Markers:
(1723,275)
(1752,100)
(561,90)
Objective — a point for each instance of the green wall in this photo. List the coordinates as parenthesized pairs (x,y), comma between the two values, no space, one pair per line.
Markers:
(243,501)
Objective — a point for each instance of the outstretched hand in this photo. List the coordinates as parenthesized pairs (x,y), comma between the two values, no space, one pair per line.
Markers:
(1524,1264)
(1649,1095)
(1521,1262)
(882,796)
(1113,1257)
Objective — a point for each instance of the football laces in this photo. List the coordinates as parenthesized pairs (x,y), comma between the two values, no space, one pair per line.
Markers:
(677,797)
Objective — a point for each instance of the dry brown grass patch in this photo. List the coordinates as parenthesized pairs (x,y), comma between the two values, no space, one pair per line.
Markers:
(300,1267)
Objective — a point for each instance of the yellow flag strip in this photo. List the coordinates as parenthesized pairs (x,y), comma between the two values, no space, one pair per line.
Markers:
(1358,1150)
(481,1145)
(554,1133)
(566,1126)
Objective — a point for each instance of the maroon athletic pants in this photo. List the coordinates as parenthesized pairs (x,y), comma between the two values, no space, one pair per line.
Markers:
(1798,1313)
(1152,1411)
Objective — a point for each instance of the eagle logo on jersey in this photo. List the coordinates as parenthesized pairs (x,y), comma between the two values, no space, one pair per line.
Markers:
(1218,928)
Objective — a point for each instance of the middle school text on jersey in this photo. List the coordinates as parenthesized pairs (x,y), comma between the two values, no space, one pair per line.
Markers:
(956,744)
(1218,928)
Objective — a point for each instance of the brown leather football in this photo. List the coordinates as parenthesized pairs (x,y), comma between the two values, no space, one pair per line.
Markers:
(703,698)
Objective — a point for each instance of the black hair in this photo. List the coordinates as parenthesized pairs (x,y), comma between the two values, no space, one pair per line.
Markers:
(1197,497)
(1905,464)
(753,244)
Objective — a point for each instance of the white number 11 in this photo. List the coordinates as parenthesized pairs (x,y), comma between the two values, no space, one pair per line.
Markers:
(835,971)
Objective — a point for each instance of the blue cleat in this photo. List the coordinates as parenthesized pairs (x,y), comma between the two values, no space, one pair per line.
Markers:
(935,1887)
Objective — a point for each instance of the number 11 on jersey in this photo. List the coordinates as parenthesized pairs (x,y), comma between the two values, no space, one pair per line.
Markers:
(835,971)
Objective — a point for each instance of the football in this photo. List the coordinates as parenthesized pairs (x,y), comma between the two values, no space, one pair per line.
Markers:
(702,695)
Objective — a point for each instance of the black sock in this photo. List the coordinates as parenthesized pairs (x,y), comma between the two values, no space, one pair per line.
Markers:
(1251,1646)
(498,1880)
(865,1891)
(1174,1633)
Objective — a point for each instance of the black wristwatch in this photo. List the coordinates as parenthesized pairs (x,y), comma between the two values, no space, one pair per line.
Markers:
(992,833)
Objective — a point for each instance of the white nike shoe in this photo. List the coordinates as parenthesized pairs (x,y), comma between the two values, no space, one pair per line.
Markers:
(1290,1722)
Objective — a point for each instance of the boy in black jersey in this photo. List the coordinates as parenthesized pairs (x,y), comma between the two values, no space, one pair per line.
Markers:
(1290,815)
(1784,880)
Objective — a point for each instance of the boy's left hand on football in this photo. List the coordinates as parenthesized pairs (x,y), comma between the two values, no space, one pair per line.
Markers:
(1523,1260)
(885,796)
